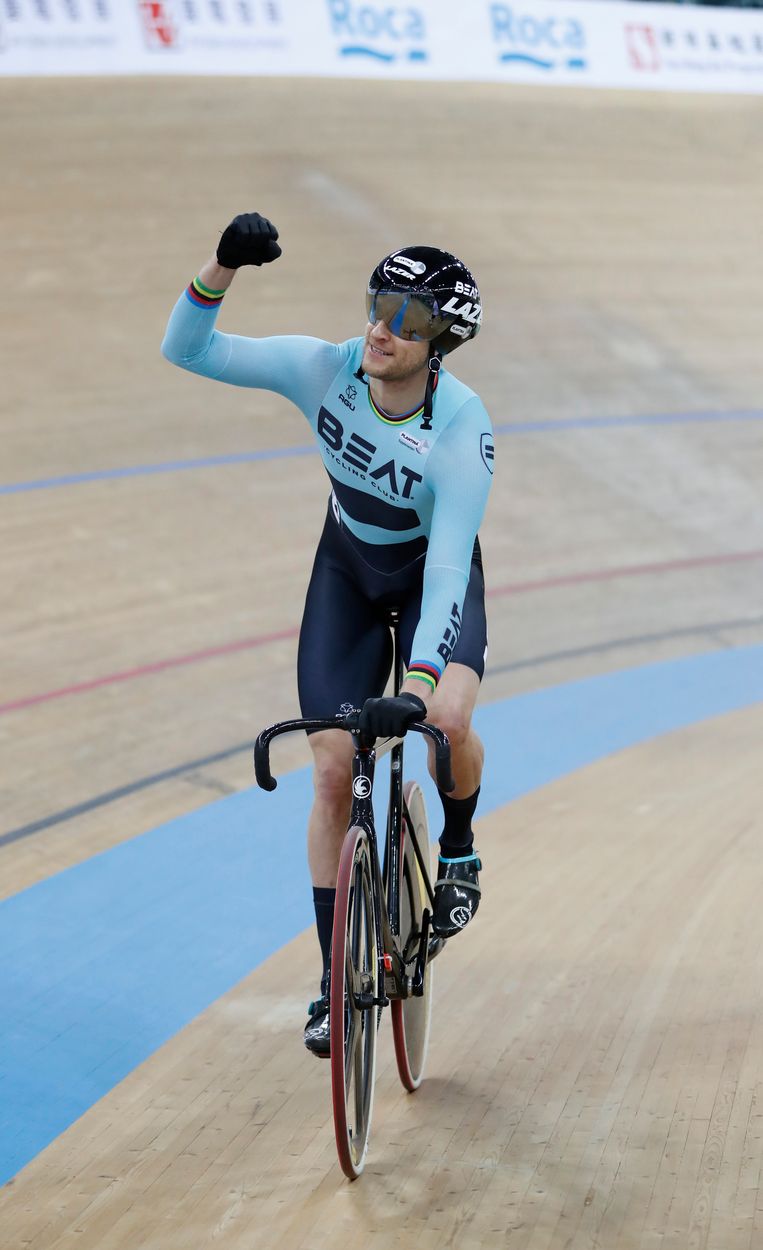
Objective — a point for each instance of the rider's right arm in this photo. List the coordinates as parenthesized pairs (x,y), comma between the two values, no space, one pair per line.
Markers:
(297,367)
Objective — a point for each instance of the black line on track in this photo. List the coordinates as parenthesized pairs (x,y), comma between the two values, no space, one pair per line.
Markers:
(598,648)
(111,796)
(551,657)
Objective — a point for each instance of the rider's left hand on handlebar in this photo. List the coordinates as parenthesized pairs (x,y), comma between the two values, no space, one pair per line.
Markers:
(390,717)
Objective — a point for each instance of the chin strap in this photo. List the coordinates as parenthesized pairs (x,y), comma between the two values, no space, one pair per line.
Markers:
(435,361)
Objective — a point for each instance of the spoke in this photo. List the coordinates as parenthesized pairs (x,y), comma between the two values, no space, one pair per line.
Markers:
(350,1030)
(359,1076)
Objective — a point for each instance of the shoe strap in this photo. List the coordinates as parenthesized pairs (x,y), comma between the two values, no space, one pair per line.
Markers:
(462,859)
(465,885)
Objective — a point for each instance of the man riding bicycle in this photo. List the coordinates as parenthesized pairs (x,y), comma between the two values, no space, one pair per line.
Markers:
(409,451)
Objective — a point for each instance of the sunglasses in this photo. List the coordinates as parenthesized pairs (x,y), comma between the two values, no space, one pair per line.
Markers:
(407,316)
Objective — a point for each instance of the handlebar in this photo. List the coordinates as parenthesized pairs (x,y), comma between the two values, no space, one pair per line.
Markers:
(349,722)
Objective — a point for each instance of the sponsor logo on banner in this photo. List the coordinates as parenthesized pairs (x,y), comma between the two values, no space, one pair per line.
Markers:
(714,46)
(641,42)
(69,24)
(385,33)
(547,41)
(159,28)
(211,24)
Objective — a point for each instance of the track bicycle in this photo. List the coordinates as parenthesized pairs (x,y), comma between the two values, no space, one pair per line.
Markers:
(382,945)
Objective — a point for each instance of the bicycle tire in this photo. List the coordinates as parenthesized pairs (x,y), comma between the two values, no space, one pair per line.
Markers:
(353,1029)
(411,1017)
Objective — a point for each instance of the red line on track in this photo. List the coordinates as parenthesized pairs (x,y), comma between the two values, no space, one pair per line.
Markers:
(263,640)
(195,657)
(629,570)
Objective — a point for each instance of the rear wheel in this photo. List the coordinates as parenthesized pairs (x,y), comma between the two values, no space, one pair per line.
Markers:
(353,1019)
(411,1016)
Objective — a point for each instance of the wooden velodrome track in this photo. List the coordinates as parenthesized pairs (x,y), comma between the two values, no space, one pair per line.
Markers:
(596,1072)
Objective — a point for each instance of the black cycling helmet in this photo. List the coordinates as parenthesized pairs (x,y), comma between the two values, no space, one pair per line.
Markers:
(425,293)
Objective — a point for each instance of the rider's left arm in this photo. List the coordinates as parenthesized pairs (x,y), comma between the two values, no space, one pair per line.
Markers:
(459,473)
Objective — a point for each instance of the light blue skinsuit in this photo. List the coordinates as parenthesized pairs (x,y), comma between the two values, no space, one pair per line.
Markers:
(402,494)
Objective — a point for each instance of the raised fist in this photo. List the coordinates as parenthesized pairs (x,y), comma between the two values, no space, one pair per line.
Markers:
(249,240)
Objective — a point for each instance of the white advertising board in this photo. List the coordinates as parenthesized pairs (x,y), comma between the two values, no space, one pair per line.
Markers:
(608,43)
(145,36)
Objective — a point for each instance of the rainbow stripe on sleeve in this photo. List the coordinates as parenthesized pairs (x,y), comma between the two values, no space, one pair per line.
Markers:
(202,296)
(430,673)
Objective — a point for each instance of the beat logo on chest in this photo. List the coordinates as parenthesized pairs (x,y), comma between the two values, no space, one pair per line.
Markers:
(361,457)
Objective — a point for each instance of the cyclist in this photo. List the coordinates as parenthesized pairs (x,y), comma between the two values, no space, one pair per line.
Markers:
(409,451)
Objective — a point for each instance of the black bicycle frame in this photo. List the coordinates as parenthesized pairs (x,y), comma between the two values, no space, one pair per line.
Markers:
(393,860)
(392,972)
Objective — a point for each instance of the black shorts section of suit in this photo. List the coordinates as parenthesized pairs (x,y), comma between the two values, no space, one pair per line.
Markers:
(345,645)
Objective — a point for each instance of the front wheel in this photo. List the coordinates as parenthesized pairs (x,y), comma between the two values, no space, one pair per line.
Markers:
(411,1017)
(353,994)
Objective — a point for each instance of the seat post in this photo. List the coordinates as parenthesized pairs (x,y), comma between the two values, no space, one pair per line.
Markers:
(397,659)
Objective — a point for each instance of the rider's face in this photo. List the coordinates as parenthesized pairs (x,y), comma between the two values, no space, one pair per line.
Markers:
(389,358)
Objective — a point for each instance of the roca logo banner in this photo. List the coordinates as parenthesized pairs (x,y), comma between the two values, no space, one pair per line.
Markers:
(452,39)
(386,34)
(548,41)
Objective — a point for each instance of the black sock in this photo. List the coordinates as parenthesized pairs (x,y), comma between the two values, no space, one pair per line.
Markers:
(323,900)
(456,838)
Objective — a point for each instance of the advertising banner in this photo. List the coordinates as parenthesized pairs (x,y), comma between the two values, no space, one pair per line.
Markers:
(694,49)
(215,36)
(63,36)
(146,36)
(607,43)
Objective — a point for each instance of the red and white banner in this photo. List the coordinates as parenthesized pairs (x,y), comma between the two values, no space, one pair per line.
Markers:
(607,43)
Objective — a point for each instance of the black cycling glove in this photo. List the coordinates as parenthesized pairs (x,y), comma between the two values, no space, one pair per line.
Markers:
(249,240)
(390,718)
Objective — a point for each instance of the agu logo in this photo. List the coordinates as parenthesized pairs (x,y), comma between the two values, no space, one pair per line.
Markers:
(543,41)
(159,26)
(378,32)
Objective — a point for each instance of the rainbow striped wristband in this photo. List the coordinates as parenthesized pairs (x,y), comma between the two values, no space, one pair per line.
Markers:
(202,296)
(429,673)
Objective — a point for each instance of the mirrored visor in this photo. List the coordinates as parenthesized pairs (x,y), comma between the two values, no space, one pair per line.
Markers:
(407,316)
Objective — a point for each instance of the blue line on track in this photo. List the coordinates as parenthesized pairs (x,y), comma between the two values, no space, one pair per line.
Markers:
(283,453)
(639,419)
(145,470)
(106,961)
